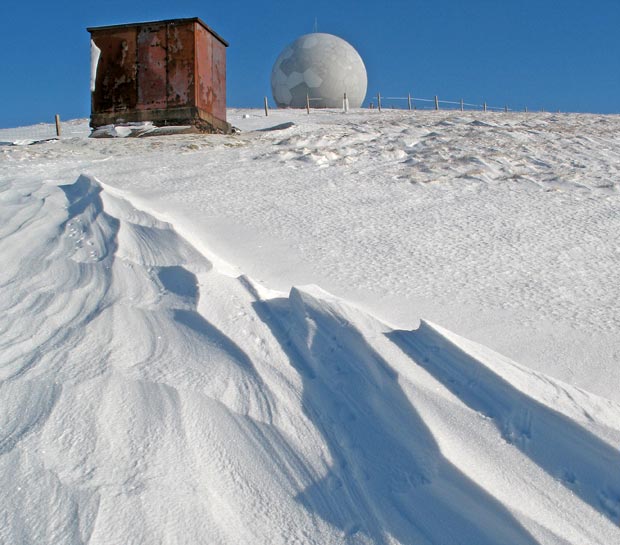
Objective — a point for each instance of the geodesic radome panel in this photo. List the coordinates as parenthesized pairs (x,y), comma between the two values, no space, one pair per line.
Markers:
(322,66)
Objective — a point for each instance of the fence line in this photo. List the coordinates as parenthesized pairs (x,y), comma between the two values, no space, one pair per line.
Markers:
(460,103)
(411,104)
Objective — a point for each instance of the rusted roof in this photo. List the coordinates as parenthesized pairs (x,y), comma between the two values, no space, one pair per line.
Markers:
(166,21)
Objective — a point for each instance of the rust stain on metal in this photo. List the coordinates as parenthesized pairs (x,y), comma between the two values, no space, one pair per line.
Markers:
(204,57)
(181,65)
(116,72)
(152,67)
(219,80)
(169,72)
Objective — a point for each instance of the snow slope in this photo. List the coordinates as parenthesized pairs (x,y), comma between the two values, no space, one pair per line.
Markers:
(154,393)
(501,227)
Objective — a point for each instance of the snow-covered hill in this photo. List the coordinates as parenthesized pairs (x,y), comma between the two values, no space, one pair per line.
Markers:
(171,373)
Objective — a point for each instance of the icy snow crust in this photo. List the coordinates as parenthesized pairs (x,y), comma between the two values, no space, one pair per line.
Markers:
(152,392)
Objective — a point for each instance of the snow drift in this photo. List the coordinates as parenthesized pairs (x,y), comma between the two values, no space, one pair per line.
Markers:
(149,396)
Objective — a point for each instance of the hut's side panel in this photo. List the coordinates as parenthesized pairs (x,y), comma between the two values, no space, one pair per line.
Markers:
(116,88)
(219,79)
(204,69)
(152,48)
(181,89)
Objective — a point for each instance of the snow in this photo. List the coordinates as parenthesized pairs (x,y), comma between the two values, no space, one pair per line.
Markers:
(95,54)
(171,371)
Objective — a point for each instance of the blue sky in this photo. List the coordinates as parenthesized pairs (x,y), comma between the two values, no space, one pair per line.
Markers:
(544,54)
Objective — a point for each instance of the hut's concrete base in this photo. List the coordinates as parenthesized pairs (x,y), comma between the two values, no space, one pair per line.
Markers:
(195,117)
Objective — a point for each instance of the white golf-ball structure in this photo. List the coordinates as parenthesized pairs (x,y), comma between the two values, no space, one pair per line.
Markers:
(322,67)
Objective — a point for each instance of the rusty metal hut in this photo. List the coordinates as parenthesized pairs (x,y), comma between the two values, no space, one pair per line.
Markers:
(169,72)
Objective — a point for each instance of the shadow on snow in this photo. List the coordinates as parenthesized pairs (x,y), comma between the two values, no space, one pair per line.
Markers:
(564,449)
(388,476)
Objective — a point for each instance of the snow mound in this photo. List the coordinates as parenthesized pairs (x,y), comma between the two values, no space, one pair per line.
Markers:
(150,398)
(139,129)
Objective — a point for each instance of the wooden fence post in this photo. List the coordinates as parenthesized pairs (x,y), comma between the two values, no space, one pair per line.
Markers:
(58,127)
(436,102)
(379,101)
(266,107)
(409,101)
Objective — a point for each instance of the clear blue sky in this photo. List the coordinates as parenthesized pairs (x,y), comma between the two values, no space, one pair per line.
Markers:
(562,54)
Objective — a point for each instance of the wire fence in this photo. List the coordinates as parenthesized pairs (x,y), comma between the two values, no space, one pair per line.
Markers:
(417,103)
(409,102)
(42,132)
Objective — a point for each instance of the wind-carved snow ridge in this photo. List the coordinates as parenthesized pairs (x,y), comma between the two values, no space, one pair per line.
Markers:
(389,479)
(149,397)
(527,411)
(100,336)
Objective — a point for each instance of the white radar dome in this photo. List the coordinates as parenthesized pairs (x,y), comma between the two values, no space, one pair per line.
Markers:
(321,66)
